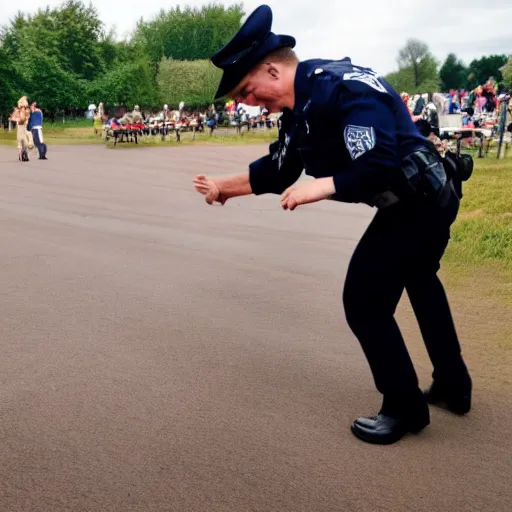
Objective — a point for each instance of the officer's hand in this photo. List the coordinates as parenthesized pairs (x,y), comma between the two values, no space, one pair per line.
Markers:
(317,190)
(209,189)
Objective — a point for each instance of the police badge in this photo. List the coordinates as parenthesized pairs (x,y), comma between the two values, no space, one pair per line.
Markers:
(359,140)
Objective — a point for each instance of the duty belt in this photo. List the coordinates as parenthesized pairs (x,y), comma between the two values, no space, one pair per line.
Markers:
(424,177)
(386,199)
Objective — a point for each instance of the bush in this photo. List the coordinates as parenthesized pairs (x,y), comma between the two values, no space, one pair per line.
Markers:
(194,82)
(129,84)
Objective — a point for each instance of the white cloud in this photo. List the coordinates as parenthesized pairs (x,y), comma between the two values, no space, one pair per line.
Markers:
(370,32)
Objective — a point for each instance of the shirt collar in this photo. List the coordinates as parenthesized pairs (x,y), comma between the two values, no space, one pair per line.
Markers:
(304,80)
(302,85)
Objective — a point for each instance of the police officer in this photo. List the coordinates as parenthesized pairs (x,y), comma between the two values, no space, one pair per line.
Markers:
(351,131)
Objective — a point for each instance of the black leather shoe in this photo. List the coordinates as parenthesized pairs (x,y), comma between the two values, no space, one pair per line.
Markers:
(383,429)
(456,400)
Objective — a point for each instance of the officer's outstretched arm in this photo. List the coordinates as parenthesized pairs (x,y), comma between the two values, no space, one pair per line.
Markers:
(368,129)
(275,172)
(220,189)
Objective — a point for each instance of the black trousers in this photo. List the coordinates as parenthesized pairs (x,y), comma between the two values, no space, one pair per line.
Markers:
(402,249)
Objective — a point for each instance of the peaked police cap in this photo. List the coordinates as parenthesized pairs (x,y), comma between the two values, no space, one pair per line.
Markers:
(253,41)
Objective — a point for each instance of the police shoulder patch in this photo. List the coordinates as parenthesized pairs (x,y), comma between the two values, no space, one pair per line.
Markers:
(366,77)
(359,139)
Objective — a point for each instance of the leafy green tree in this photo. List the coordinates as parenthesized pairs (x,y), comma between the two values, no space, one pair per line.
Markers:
(429,75)
(402,80)
(507,74)
(47,83)
(453,73)
(10,85)
(418,69)
(128,84)
(58,53)
(10,35)
(72,34)
(189,33)
(481,69)
(411,55)
(79,31)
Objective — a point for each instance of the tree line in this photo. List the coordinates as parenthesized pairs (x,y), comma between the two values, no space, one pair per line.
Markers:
(420,72)
(65,59)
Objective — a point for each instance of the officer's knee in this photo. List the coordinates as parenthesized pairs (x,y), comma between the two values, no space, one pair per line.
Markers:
(355,304)
(366,303)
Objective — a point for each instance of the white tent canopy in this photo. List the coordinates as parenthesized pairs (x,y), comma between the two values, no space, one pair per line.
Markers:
(252,111)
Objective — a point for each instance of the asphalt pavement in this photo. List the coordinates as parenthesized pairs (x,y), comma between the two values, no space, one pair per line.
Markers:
(161,355)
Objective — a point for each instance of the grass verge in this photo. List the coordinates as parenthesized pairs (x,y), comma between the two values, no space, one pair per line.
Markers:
(477,273)
(81,132)
(222,136)
(58,134)
(482,235)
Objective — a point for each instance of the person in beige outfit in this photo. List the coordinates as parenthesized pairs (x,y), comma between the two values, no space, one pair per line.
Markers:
(22,132)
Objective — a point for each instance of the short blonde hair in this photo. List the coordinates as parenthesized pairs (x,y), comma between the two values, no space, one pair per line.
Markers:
(284,55)
(23,102)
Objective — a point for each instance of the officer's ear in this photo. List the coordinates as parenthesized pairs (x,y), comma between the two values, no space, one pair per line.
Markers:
(273,71)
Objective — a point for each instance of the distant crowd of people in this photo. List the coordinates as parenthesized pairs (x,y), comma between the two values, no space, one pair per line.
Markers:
(167,120)
(484,98)
(478,108)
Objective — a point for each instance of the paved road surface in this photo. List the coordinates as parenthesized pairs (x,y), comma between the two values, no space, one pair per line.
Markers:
(161,355)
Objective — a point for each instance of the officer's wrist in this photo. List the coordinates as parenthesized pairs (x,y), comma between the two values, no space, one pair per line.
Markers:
(330,188)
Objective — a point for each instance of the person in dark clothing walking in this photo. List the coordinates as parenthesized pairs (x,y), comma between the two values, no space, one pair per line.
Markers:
(36,127)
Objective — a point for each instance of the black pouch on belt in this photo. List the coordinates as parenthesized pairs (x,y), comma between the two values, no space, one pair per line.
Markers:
(459,168)
(423,174)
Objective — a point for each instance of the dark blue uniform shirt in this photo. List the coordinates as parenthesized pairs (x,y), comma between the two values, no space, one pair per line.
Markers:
(346,123)
(36,119)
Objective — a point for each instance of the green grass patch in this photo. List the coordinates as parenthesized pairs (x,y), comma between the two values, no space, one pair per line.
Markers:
(82,132)
(482,233)
(478,261)
(222,136)
(69,133)
(66,124)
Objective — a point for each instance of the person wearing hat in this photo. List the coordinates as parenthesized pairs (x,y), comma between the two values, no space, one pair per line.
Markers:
(352,132)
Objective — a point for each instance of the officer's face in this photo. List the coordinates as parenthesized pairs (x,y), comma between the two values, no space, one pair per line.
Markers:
(267,86)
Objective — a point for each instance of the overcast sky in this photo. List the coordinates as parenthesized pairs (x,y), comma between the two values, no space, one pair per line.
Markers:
(370,31)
